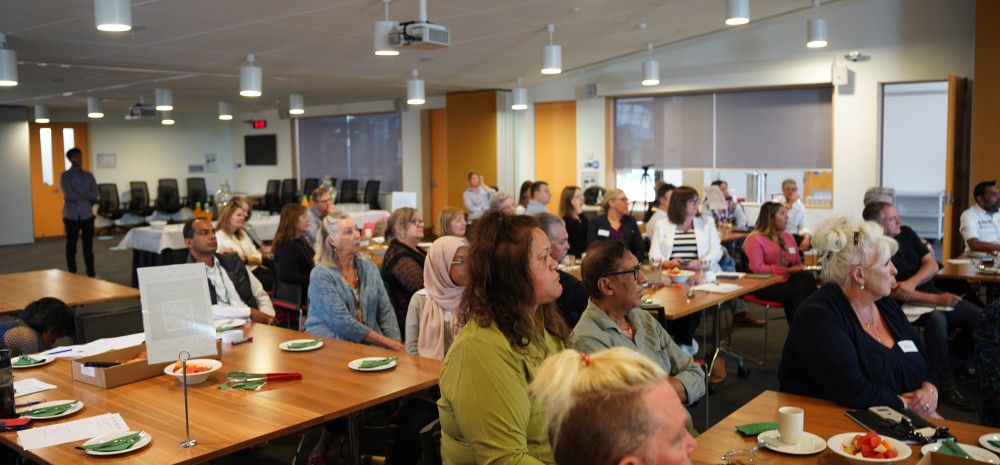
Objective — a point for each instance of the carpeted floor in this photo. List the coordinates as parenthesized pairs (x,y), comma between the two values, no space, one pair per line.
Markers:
(735,391)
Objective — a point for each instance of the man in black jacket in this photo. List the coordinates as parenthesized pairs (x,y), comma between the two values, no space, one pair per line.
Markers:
(235,292)
(573,300)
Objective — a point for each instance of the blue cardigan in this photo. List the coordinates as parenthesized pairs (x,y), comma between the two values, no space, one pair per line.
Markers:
(331,304)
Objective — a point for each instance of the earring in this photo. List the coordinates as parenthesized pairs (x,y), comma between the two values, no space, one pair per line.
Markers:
(862,286)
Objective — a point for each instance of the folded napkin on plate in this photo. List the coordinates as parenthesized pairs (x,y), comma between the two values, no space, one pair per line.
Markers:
(26,360)
(753,429)
(113,445)
(377,363)
(303,345)
(48,411)
(244,386)
(949,447)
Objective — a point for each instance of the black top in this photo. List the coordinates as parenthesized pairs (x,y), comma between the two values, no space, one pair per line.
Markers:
(828,355)
(907,259)
(403,274)
(601,226)
(293,261)
(577,231)
(573,300)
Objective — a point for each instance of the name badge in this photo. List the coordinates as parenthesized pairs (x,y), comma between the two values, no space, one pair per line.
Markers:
(907,346)
(603,233)
(791,250)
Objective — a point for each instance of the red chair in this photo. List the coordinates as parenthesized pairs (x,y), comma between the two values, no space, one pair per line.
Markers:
(768,305)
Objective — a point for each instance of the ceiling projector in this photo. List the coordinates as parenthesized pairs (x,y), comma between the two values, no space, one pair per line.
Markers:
(420,34)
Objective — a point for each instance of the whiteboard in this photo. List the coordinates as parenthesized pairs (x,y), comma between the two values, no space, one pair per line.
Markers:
(914,136)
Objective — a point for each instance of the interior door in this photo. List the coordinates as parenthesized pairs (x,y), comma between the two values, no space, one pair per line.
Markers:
(48,144)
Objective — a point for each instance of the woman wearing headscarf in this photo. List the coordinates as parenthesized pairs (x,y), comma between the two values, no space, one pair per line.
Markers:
(429,316)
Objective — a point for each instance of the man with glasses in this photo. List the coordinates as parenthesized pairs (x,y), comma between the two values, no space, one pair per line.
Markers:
(613,318)
(322,206)
(915,290)
(796,225)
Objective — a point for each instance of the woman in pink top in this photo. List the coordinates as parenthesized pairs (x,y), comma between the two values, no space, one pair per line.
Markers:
(771,250)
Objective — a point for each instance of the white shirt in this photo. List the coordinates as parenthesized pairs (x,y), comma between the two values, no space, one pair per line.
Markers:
(228,301)
(980,224)
(243,247)
(651,224)
(797,219)
(535,207)
(709,243)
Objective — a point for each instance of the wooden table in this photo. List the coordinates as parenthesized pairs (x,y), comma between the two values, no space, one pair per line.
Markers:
(675,303)
(224,422)
(17,290)
(968,272)
(822,418)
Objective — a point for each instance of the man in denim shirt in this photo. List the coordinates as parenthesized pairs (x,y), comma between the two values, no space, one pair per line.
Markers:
(79,193)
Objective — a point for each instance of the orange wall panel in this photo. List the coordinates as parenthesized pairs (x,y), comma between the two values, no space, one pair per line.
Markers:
(985,163)
(471,122)
(439,165)
(555,147)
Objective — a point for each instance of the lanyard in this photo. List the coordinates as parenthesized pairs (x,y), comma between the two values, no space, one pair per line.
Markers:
(227,299)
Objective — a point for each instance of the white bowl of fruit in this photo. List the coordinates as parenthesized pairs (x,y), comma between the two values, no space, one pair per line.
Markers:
(863,448)
(198,370)
(678,275)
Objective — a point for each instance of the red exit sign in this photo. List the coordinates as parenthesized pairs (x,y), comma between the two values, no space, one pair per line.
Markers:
(259,123)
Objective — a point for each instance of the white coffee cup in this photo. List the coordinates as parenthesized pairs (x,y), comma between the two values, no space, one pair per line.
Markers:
(790,423)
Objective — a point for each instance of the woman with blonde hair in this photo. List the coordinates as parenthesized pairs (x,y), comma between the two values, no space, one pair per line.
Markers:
(232,237)
(850,342)
(452,222)
(403,264)
(571,211)
(642,419)
(617,224)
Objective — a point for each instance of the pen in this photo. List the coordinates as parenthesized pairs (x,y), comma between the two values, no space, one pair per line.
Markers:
(241,341)
(27,404)
(58,352)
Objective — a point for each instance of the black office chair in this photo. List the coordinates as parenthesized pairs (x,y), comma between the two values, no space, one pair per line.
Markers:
(168,196)
(371,194)
(309,185)
(108,205)
(348,191)
(139,199)
(272,196)
(592,195)
(196,192)
(289,191)
(290,302)
(99,321)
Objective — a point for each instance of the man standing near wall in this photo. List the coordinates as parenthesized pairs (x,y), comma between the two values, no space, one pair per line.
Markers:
(79,190)
(477,196)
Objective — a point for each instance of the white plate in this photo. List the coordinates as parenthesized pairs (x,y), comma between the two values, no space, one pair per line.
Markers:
(809,444)
(229,322)
(836,444)
(72,410)
(356,364)
(990,437)
(144,440)
(46,359)
(284,345)
(977,453)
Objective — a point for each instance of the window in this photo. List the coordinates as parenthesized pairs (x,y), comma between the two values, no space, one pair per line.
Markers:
(361,147)
(68,143)
(45,137)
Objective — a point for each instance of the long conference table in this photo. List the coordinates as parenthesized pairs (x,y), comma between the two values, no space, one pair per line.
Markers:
(822,418)
(224,422)
(17,290)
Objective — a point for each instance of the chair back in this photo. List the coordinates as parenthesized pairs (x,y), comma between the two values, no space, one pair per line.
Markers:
(272,196)
(139,198)
(430,443)
(371,194)
(168,197)
(592,195)
(108,320)
(348,191)
(309,185)
(289,191)
(107,199)
(196,191)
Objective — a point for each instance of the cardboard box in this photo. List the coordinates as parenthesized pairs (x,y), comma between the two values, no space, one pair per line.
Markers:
(125,373)
(935,458)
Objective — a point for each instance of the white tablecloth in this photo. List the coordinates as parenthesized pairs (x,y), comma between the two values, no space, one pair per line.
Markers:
(171,236)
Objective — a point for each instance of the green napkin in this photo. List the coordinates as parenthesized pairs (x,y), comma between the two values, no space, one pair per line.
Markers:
(949,447)
(247,386)
(48,411)
(753,429)
(226,328)
(367,364)
(303,345)
(113,445)
(994,442)
(26,360)
(759,276)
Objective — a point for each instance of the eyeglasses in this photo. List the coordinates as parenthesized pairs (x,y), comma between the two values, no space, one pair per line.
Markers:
(634,271)
(417,221)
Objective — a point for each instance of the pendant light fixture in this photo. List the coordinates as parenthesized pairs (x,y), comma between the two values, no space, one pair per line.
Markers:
(113,15)
(95,109)
(650,68)
(164,99)
(41,114)
(250,78)
(737,12)
(168,119)
(225,111)
(382,30)
(816,30)
(520,97)
(415,90)
(296,104)
(8,63)
(551,54)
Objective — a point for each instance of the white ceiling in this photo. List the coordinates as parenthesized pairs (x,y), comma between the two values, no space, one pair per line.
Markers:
(323,48)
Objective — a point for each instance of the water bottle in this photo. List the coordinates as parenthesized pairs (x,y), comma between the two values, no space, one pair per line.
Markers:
(6,386)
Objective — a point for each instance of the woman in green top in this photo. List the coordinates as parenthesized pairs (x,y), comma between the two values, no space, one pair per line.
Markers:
(510,326)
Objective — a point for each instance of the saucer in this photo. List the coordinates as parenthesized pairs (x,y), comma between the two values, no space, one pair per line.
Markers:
(809,444)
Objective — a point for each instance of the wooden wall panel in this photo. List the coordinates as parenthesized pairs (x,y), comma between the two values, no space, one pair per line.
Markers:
(555,147)
(986,96)
(439,165)
(471,122)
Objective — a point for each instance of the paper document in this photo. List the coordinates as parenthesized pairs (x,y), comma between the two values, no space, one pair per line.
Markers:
(716,201)
(24,387)
(959,261)
(71,431)
(729,274)
(717,288)
(176,311)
